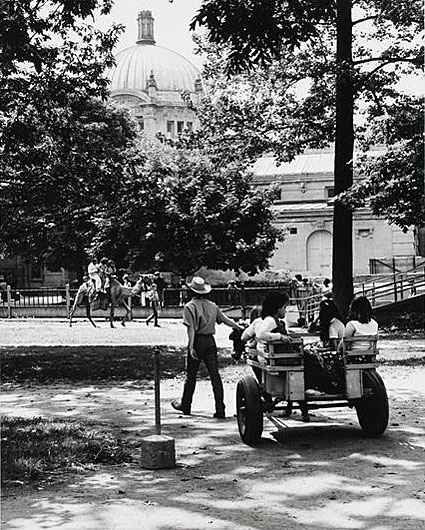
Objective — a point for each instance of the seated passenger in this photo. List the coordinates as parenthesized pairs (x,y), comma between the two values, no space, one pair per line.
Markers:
(323,366)
(361,322)
(272,327)
(266,328)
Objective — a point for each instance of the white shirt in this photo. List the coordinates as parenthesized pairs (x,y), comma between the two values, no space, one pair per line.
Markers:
(92,268)
(356,328)
(336,329)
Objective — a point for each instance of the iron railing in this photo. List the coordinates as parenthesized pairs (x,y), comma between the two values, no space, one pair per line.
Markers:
(381,290)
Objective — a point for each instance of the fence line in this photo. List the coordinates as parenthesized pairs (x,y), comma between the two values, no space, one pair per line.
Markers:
(382,290)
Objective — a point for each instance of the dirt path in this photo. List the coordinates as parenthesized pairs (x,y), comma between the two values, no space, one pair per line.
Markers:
(322,475)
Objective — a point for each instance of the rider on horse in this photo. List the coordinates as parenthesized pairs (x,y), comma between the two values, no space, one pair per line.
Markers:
(93,272)
(108,270)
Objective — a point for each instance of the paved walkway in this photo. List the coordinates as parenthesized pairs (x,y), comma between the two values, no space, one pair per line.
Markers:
(56,332)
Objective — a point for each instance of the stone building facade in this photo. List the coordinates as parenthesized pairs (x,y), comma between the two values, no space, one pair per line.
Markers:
(304,209)
(156,83)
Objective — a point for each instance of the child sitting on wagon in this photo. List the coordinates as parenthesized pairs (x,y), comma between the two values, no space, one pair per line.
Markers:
(322,361)
(269,326)
(360,323)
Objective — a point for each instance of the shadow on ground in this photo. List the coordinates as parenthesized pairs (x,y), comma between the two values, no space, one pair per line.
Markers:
(322,475)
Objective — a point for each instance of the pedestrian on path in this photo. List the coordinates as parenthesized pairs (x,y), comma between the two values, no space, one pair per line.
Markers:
(153,296)
(200,316)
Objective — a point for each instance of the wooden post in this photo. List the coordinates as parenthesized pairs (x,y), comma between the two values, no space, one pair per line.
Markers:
(9,302)
(68,299)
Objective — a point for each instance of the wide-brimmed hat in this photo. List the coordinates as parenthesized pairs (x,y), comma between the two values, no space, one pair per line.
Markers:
(199,285)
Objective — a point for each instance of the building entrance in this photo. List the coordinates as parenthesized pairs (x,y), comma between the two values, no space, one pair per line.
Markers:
(319,253)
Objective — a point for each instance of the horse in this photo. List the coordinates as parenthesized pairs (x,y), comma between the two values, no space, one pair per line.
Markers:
(115,297)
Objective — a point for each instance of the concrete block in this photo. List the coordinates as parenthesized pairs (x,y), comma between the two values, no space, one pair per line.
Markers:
(158,452)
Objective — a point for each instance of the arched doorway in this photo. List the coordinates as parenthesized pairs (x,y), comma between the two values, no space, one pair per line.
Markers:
(319,253)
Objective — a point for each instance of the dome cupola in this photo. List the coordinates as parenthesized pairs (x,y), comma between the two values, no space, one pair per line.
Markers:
(134,65)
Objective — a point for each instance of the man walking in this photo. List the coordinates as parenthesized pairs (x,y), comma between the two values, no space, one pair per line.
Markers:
(200,316)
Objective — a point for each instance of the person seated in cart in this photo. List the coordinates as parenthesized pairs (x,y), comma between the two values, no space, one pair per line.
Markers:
(360,323)
(269,326)
(323,365)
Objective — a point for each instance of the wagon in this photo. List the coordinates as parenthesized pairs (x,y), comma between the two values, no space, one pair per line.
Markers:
(280,381)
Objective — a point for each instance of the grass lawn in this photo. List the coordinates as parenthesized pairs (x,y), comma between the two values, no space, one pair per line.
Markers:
(37,451)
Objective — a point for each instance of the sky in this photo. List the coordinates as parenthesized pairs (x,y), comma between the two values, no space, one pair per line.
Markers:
(171,23)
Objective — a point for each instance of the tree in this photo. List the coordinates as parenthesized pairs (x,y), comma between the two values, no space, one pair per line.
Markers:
(61,147)
(245,115)
(393,177)
(76,179)
(257,31)
(179,211)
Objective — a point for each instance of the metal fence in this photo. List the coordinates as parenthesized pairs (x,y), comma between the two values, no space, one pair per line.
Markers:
(381,290)
(50,297)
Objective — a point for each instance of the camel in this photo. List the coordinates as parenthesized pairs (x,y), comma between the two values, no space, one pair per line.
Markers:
(116,296)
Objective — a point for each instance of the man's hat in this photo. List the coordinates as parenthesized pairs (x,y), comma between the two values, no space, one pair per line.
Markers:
(199,286)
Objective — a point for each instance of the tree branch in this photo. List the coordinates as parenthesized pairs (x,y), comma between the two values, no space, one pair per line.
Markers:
(387,61)
(360,20)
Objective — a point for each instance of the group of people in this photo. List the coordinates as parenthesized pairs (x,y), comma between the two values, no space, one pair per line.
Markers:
(100,274)
(322,360)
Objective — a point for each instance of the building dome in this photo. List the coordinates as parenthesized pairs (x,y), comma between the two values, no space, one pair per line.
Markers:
(139,66)
(134,66)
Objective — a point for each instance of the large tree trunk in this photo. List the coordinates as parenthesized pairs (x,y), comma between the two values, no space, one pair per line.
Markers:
(342,266)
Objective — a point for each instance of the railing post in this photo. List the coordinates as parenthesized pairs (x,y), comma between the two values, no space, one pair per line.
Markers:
(395,287)
(373,294)
(401,288)
(9,301)
(68,299)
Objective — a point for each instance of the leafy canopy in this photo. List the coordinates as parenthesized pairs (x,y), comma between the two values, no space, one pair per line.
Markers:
(179,211)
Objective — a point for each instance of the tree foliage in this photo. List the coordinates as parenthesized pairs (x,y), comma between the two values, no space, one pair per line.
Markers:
(393,182)
(75,178)
(179,211)
(244,115)
(61,146)
(370,45)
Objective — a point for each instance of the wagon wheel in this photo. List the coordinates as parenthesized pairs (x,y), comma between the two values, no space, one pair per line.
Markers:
(249,410)
(372,410)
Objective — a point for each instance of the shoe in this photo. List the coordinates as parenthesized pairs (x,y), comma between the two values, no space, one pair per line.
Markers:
(147,322)
(156,326)
(178,406)
(219,415)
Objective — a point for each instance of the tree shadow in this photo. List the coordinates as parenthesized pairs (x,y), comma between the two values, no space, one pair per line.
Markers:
(306,476)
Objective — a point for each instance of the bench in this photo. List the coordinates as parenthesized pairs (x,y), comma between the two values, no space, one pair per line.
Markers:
(359,353)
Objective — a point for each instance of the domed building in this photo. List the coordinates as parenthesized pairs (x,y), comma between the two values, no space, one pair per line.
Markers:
(156,83)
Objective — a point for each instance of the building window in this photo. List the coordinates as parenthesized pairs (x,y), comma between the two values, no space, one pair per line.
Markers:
(170,128)
(141,123)
(189,125)
(180,127)
(364,233)
(329,192)
(293,230)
